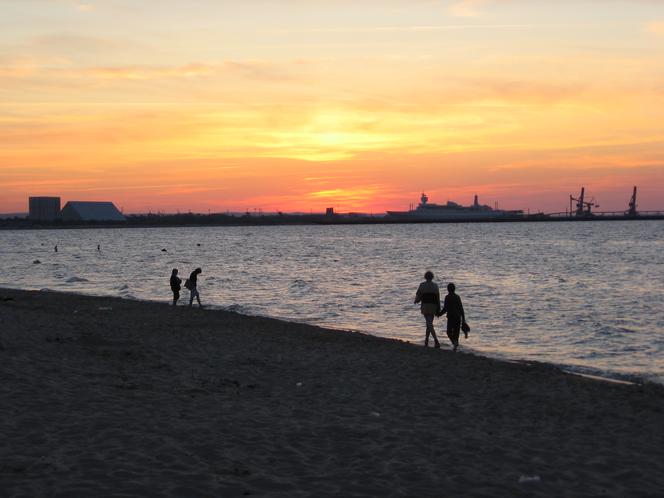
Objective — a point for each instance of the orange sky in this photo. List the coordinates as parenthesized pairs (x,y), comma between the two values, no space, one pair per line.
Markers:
(297,106)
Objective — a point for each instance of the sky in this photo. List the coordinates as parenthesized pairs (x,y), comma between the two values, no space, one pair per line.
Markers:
(299,105)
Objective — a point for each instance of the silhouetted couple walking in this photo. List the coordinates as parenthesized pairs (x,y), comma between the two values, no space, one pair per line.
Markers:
(191,284)
(428,294)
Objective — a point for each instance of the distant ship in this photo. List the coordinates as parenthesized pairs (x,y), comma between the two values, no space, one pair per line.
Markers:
(453,211)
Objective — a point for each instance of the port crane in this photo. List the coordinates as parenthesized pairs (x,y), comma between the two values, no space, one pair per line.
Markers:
(583,207)
(632,205)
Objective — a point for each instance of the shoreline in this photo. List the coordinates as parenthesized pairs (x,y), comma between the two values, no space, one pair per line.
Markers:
(104,396)
(26,225)
(571,369)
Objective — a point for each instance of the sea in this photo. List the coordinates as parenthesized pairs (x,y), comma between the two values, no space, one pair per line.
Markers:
(587,296)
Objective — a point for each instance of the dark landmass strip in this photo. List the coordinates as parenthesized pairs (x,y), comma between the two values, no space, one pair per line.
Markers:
(102,396)
(193,219)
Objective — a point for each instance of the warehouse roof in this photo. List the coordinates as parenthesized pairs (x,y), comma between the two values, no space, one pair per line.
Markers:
(91,211)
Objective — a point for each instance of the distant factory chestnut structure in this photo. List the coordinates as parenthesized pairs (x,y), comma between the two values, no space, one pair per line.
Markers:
(48,209)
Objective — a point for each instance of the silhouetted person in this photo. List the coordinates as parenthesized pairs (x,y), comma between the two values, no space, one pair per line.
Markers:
(429,295)
(175,285)
(98,247)
(455,315)
(193,289)
(55,248)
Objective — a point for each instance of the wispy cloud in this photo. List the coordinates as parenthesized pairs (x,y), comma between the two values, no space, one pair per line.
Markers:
(149,72)
(467,8)
(416,28)
(74,42)
(474,8)
(655,27)
(62,69)
(345,195)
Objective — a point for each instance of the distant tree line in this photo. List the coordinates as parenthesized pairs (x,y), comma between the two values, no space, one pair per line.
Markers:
(193,219)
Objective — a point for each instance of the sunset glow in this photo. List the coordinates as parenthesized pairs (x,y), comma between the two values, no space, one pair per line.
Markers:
(296,106)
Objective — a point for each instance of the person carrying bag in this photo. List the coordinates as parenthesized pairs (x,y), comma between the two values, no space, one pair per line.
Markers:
(456,318)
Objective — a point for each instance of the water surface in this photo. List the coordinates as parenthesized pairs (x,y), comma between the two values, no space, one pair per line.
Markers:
(588,295)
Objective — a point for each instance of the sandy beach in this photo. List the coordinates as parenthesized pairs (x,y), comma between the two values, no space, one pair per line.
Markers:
(110,397)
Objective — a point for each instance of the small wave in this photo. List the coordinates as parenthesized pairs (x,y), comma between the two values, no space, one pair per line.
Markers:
(235,308)
(72,280)
(300,284)
(603,374)
(123,287)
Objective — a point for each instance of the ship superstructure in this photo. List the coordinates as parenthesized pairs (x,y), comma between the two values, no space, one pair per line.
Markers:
(453,211)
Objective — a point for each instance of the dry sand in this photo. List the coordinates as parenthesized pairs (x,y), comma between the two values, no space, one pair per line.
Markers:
(108,397)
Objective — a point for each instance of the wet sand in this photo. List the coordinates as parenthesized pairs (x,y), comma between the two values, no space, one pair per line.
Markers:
(109,397)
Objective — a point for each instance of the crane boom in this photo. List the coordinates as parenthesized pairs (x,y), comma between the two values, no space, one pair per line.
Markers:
(632,205)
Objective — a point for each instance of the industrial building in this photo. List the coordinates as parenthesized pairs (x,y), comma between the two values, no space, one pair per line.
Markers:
(90,211)
(44,208)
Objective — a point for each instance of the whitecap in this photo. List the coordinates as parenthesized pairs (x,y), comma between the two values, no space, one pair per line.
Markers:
(299,284)
(235,308)
(72,280)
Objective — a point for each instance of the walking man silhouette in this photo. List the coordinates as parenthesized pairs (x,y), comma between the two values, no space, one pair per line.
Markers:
(429,295)
(193,287)
(455,315)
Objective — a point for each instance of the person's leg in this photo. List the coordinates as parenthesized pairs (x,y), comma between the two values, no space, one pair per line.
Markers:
(450,330)
(429,321)
(453,330)
(436,344)
(192,292)
(431,330)
(176,296)
(198,298)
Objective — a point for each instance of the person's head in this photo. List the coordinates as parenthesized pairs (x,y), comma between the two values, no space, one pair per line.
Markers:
(198,270)
(428,276)
(451,288)
(175,271)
